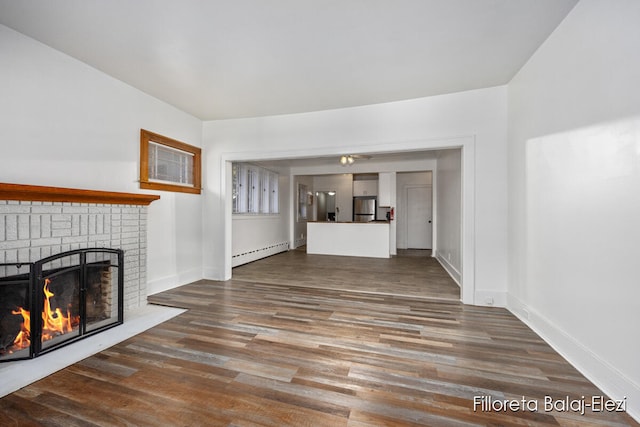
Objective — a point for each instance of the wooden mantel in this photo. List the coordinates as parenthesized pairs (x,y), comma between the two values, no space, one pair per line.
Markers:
(38,193)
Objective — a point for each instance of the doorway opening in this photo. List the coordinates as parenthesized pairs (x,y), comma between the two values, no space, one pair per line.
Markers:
(326,206)
(415,208)
(457,156)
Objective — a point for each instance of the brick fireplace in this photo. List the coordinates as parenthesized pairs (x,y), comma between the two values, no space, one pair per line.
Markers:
(30,231)
(39,222)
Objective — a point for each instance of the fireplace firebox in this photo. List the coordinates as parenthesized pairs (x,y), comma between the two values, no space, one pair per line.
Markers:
(59,300)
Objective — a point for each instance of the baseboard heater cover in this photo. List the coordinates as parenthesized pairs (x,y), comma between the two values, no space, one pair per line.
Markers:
(258,253)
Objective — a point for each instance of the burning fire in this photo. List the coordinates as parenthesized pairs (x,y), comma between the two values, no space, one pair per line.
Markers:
(54,322)
(24,337)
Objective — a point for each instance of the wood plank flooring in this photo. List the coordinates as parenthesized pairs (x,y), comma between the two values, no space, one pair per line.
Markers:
(254,353)
(414,274)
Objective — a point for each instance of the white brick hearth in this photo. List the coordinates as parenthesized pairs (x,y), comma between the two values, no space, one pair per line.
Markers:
(30,231)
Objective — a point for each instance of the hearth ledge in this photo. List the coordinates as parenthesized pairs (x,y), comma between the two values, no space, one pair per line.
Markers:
(20,373)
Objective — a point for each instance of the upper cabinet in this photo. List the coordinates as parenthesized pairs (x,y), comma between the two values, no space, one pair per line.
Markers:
(365,188)
(384,188)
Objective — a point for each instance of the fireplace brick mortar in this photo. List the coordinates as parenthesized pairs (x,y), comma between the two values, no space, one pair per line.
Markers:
(30,231)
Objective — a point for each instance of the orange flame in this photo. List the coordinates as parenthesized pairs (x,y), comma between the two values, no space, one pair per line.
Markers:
(53,321)
(23,340)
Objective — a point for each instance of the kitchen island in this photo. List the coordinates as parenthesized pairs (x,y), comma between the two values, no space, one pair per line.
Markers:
(363,239)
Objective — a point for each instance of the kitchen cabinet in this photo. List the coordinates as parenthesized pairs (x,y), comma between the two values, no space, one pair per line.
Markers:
(385,182)
(365,188)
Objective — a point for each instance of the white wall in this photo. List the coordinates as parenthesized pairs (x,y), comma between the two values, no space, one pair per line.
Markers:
(433,122)
(574,157)
(448,197)
(65,124)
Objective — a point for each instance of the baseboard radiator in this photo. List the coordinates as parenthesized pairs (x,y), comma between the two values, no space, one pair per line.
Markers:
(259,253)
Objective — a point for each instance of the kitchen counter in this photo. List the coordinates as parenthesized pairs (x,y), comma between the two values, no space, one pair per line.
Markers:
(364,239)
(377,221)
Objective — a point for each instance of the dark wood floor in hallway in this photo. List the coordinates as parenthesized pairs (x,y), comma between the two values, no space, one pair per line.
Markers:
(254,353)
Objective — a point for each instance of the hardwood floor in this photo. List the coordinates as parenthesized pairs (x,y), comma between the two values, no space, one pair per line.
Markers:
(249,352)
(414,274)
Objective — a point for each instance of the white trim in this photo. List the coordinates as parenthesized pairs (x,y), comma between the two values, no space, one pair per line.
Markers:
(491,298)
(294,242)
(605,376)
(211,273)
(226,201)
(173,281)
(468,232)
(434,210)
(449,268)
(162,284)
(189,276)
(466,143)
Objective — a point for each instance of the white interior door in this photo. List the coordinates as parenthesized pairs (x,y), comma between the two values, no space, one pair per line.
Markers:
(419,217)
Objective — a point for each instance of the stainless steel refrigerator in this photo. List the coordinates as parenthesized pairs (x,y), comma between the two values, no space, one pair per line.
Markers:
(364,208)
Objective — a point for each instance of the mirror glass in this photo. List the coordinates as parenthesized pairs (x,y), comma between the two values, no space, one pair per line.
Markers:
(302,202)
(326,206)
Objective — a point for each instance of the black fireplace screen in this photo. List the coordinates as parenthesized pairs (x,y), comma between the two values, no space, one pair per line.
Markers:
(58,300)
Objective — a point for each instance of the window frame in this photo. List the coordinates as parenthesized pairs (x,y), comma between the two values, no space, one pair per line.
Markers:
(149,184)
(255,190)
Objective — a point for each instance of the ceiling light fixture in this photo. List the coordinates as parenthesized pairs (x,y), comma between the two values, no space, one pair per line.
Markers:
(347,160)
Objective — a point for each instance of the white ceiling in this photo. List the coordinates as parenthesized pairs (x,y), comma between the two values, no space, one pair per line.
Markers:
(220,59)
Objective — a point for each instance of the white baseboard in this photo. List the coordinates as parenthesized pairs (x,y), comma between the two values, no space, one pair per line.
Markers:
(612,382)
(212,273)
(162,284)
(169,282)
(490,298)
(480,297)
(453,272)
(189,276)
